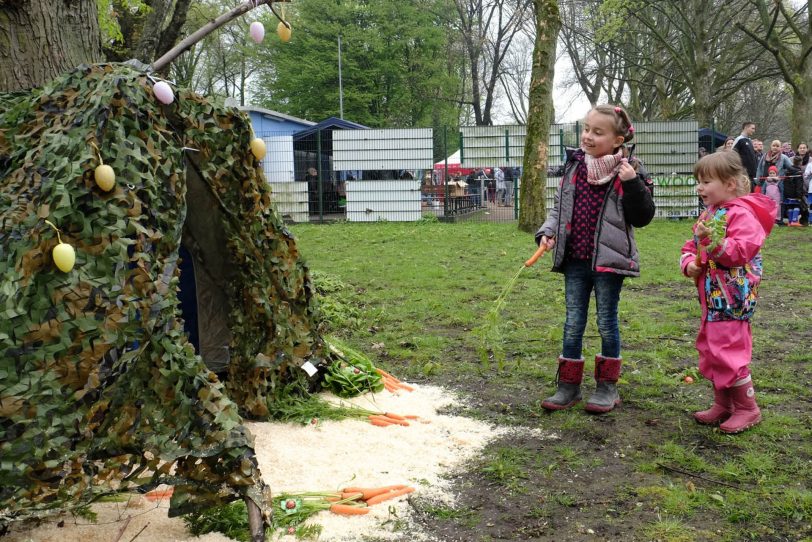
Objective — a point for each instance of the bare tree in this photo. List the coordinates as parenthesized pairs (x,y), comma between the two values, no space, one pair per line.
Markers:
(596,67)
(790,44)
(515,78)
(487,29)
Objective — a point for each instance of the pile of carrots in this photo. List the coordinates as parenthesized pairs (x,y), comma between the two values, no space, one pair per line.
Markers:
(355,501)
(390,383)
(390,418)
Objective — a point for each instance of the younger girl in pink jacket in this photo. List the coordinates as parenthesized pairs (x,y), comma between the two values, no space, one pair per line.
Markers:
(727,274)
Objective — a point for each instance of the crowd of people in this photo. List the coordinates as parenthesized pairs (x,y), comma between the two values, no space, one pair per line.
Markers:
(492,186)
(780,172)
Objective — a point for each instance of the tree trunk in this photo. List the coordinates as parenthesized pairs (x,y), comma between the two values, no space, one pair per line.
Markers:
(540,112)
(40,39)
(801,111)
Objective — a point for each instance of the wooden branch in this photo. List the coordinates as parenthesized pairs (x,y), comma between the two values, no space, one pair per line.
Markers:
(695,475)
(207,29)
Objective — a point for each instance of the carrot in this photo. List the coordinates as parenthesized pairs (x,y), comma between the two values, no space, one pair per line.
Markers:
(156,494)
(411,417)
(355,489)
(404,423)
(385,374)
(389,386)
(390,421)
(389,495)
(348,510)
(405,387)
(374,492)
(538,254)
(379,421)
(394,416)
(369,492)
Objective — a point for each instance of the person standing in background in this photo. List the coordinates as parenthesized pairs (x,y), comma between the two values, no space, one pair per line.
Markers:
(803,152)
(744,146)
(758,146)
(499,176)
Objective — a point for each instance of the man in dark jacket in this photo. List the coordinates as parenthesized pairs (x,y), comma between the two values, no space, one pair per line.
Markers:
(794,188)
(744,146)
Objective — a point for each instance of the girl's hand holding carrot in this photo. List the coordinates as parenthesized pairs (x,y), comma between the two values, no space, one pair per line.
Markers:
(693,270)
(702,231)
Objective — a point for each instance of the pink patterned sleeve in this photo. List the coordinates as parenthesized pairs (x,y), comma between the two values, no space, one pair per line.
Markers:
(743,239)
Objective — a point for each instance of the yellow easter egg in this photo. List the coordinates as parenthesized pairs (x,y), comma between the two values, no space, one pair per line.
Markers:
(283,31)
(258,148)
(64,257)
(105,177)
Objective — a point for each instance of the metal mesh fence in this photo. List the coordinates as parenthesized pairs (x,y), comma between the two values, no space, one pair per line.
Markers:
(390,175)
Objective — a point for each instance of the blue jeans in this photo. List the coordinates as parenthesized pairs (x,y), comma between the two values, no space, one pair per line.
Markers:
(579,281)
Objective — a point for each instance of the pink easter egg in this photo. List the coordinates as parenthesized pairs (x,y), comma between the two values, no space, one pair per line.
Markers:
(163,92)
(257,31)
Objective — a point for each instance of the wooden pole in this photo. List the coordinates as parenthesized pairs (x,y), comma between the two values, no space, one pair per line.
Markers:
(256,526)
(207,29)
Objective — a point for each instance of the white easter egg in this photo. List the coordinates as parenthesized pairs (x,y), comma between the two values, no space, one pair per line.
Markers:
(163,92)
(257,31)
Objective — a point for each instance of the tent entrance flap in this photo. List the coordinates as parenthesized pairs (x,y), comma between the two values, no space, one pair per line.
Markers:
(206,276)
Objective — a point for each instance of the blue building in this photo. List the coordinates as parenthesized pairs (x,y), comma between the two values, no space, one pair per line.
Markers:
(267,122)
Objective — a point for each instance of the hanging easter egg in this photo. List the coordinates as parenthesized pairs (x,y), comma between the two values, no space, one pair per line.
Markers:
(258,148)
(163,92)
(64,257)
(283,31)
(257,31)
(105,177)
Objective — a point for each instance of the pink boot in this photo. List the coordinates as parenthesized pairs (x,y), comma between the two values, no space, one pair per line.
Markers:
(745,410)
(719,412)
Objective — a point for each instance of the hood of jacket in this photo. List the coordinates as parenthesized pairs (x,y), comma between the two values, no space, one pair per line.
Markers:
(762,207)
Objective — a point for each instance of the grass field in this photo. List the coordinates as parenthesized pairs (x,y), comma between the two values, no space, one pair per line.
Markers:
(416,296)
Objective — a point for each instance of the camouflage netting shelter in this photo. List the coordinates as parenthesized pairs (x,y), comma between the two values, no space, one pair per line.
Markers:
(100,387)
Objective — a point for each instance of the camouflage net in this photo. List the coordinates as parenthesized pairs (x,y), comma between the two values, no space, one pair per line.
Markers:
(100,390)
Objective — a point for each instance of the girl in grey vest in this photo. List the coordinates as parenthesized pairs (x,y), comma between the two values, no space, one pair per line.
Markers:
(590,232)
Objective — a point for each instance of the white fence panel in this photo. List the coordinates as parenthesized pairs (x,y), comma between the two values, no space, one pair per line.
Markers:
(492,146)
(377,150)
(290,200)
(278,162)
(395,201)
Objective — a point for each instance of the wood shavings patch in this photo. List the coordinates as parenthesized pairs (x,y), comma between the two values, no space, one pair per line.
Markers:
(326,456)
(332,455)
